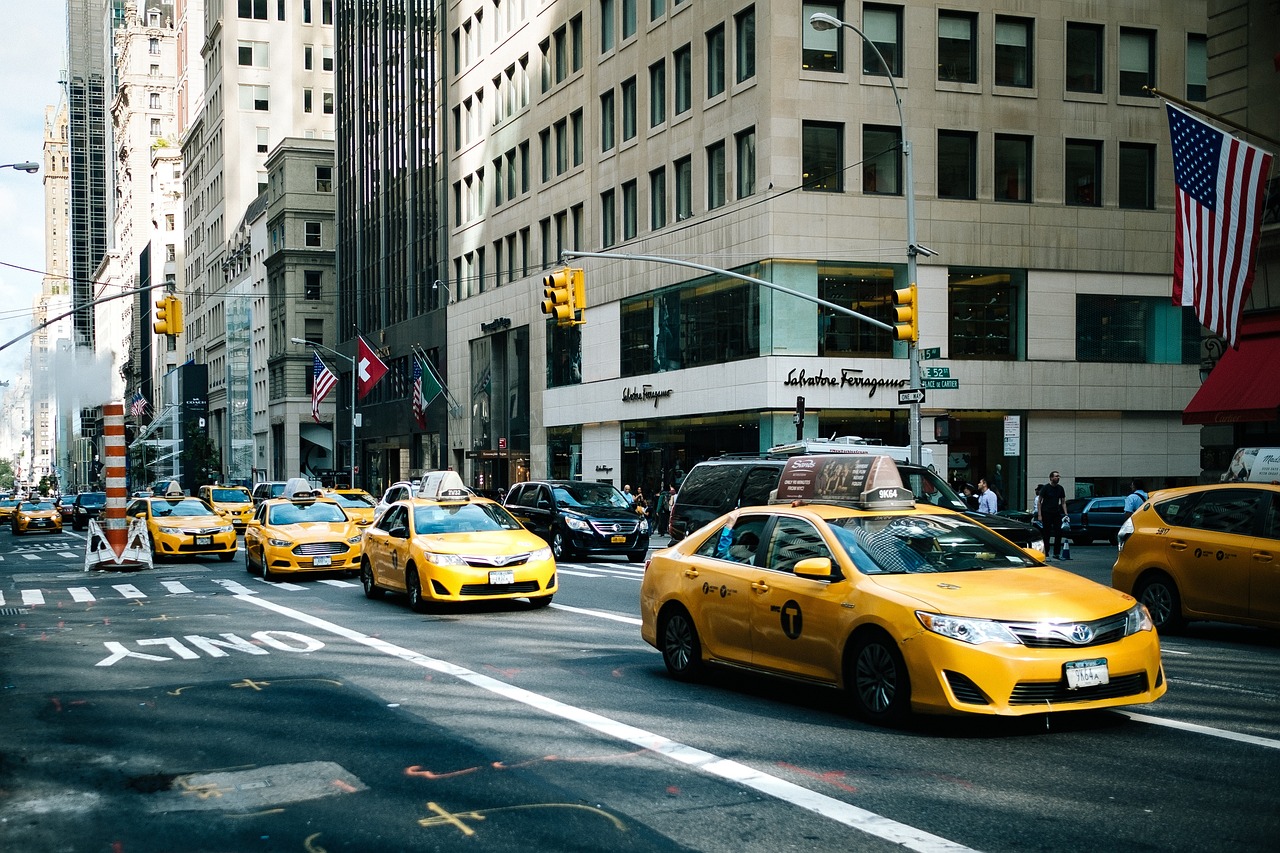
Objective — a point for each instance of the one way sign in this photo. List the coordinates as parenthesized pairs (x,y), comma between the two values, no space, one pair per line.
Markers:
(910,395)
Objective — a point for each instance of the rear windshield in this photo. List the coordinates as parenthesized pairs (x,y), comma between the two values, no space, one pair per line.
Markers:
(92,499)
(711,485)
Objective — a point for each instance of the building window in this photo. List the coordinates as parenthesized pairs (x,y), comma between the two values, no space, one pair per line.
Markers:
(1135,330)
(985,310)
(745,143)
(1137,61)
(716,177)
(306,12)
(253,54)
(823,156)
(957,47)
(326,57)
(1084,57)
(155,127)
(657,8)
(1197,68)
(153,46)
(629,98)
(545,139)
(606,25)
(575,43)
(153,100)
(1015,59)
(628,18)
(311,285)
(255,98)
(1083,173)
(306,57)
(324,179)
(822,50)
(630,213)
(715,61)
(1012,168)
(657,93)
(575,127)
(658,198)
(326,12)
(684,188)
(1135,179)
(744,24)
(868,288)
(883,27)
(562,146)
(957,164)
(306,100)
(608,219)
(606,121)
(682,64)
(881,162)
(709,321)
(313,235)
(262,139)
(254,10)
(326,99)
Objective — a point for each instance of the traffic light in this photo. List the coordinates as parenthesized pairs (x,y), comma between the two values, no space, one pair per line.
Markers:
(907,310)
(564,293)
(168,315)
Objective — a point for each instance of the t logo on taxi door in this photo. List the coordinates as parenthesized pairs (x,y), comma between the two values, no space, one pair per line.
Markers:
(792,619)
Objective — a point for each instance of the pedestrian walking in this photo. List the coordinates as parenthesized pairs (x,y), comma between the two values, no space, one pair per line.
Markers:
(1053,506)
(970,496)
(1137,497)
(986,497)
(626,493)
(639,503)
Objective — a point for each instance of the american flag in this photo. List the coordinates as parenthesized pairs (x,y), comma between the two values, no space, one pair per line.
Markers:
(419,401)
(1218,199)
(323,383)
(137,404)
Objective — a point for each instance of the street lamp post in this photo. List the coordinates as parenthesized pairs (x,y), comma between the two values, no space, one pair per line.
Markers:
(26,166)
(351,361)
(822,21)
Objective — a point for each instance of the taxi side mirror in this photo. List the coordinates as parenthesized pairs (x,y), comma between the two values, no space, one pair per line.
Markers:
(814,568)
(364,522)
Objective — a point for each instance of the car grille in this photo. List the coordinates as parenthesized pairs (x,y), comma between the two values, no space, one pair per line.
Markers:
(1042,692)
(520,588)
(964,689)
(614,528)
(1070,635)
(318,549)
(501,562)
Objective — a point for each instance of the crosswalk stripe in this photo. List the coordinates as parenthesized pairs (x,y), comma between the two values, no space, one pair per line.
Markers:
(234,587)
(32,597)
(565,571)
(67,554)
(30,556)
(80,593)
(1,599)
(175,587)
(128,590)
(333,582)
(293,587)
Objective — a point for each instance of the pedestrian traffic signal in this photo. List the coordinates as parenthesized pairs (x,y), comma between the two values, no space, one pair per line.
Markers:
(907,310)
(564,296)
(168,315)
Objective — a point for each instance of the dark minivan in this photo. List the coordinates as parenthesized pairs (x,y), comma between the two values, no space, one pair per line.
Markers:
(578,517)
(717,486)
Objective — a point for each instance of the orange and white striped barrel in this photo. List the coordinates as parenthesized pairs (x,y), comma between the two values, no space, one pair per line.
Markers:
(114,524)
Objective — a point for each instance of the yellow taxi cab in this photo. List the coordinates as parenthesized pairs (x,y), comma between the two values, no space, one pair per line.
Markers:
(843,581)
(301,532)
(448,544)
(181,526)
(1204,552)
(38,515)
(7,508)
(356,503)
(232,502)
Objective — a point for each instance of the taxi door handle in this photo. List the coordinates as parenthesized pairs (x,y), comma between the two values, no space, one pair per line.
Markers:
(1177,545)
(691,573)
(759,586)
(1263,556)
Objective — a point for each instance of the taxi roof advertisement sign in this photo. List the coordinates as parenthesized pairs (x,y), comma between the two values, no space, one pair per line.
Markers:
(843,478)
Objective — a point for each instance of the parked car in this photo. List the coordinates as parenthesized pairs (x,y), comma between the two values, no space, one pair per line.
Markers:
(714,487)
(580,517)
(1204,552)
(1095,518)
(87,505)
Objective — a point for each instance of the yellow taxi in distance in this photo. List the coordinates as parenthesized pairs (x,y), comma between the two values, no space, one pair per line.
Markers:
(183,526)
(301,534)
(448,544)
(30,516)
(843,581)
(7,508)
(1204,552)
(356,503)
(232,502)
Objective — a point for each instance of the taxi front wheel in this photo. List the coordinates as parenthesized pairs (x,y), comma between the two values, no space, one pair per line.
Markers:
(876,679)
(681,649)
(414,586)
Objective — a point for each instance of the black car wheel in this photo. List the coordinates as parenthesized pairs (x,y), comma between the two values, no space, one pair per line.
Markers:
(558,548)
(1160,595)
(681,649)
(371,589)
(637,556)
(248,564)
(876,679)
(227,556)
(541,600)
(414,587)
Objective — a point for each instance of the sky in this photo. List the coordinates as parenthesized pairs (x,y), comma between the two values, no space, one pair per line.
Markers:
(31,63)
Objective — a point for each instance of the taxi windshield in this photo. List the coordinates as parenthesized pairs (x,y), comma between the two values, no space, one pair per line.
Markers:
(589,494)
(903,544)
(37,506)
(182,507)
(463,518)
(230,496)
(304,513)
(359,501)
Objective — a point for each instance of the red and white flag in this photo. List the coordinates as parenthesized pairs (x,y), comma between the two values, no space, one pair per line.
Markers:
(369,368)
(1221,183)
(323,381)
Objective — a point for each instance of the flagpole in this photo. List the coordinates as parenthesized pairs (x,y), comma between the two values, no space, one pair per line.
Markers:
(448,395)
(351,361)
(1186,105)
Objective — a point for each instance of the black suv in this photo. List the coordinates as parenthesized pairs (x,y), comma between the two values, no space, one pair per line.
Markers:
(717,486)
(1095,518)
(87,505)
(578,517)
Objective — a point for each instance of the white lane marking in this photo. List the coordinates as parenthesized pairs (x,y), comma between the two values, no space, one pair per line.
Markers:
(234,587)
(128,590)
(599,614)
(67,554)
(1,599)
(30,556)
(283,585)
(576,574)
(32,596)
(733,771)
(333,582)
(1269,743)
(175,587)
(80,593)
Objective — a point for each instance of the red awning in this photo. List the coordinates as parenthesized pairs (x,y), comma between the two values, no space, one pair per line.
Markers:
(1245,383)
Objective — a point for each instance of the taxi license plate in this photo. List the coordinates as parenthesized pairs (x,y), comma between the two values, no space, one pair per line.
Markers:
(617,540)
(1087,673)
(505,576)
(322,561)
(204,540)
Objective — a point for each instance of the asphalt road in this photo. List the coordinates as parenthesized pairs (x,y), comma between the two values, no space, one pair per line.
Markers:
(194,707)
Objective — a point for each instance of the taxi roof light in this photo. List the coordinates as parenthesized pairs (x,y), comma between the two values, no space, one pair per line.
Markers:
(443,485)
(867,482)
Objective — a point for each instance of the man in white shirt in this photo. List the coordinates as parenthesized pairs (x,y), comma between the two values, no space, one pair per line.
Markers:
(986,498)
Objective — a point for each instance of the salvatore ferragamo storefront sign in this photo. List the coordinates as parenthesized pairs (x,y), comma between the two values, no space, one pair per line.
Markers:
(644,394)
(848,378)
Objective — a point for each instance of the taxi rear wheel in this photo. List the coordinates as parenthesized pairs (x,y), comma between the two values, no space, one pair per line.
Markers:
(413,584)
(371,589)
(681,649)
(1160,595)
(876,679)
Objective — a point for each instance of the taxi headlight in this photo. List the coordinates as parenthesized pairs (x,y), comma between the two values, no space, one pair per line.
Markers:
(172,531)
(540,554)
(355,540)
(1138,619)
(574,523)
(973,631)
(1123,534)
(443,559)
(226,528)
(280,543)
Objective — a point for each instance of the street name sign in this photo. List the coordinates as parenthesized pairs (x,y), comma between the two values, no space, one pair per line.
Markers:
(937,373)
(936,384)
(930,353)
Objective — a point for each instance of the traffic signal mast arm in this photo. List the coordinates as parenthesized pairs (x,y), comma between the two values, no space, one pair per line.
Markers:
(47,323)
